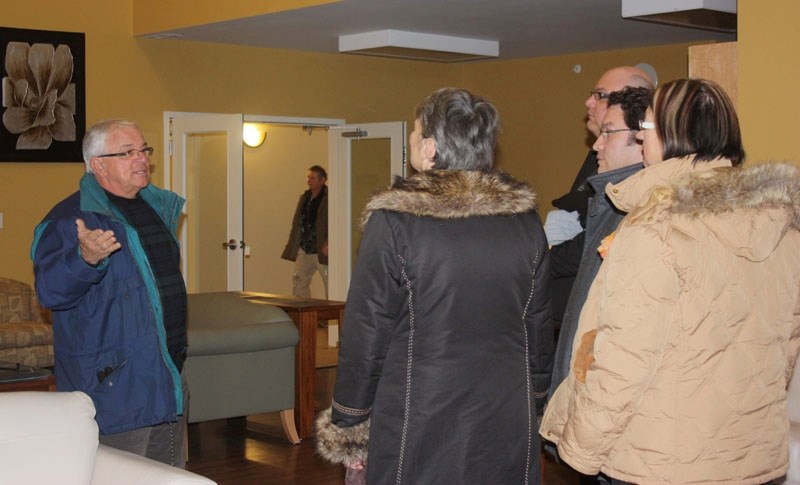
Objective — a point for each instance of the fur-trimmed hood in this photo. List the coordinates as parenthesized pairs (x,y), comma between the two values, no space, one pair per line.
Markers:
(761,187)
(454,194)
(748,210)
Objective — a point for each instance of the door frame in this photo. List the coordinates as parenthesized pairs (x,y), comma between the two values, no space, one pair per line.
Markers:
(278,120)
(339,174)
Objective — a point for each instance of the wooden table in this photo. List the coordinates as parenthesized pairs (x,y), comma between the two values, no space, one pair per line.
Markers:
(46,383)
(305,312)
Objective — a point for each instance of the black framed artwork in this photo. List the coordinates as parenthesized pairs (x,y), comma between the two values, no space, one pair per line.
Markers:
(44,95)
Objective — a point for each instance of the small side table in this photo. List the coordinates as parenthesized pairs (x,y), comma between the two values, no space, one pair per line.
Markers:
(305,312)
(44,383)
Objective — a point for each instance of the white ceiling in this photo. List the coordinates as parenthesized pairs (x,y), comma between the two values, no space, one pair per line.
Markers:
(524,28)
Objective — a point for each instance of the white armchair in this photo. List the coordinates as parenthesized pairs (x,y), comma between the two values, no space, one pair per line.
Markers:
(793,404)
(51,437)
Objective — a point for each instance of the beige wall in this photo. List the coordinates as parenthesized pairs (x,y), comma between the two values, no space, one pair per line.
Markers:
(540,101)
(769,76)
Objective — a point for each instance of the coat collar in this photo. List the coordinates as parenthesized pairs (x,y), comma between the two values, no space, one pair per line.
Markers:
(598,182)
(93,198)
(454,194)
(634,190)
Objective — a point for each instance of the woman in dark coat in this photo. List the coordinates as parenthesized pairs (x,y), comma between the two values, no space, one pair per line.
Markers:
(447,341)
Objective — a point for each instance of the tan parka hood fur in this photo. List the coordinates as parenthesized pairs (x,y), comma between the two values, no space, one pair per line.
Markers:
(769,191)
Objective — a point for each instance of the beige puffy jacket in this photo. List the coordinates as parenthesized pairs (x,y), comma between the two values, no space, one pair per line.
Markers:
(690,331)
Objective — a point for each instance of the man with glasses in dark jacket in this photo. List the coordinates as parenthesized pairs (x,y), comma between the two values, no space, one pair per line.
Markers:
(619,155)
(108,265)
(566,256)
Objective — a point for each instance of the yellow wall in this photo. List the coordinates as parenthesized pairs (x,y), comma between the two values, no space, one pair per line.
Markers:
(769,76)
(540,100)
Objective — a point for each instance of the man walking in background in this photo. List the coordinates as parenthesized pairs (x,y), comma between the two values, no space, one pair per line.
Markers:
(308,238)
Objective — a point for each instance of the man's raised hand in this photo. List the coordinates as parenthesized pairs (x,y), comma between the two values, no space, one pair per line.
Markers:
(96,244)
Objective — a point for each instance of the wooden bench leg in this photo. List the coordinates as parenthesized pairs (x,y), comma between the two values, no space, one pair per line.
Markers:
(289,428)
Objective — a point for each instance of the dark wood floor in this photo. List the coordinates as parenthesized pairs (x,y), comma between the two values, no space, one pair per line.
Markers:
(241,451)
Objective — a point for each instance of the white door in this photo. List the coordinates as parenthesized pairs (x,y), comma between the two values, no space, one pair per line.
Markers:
(361,159)
(206,169)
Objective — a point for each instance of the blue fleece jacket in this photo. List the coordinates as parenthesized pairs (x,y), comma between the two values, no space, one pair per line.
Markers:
(108,325)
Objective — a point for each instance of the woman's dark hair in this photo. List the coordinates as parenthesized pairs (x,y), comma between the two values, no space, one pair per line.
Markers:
(696,117)
(464,126)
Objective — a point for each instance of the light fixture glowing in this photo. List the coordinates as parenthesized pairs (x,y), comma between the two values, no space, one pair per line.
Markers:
(418,46)
(253,135)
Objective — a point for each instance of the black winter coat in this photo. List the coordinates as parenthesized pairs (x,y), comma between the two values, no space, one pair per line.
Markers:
(447,340)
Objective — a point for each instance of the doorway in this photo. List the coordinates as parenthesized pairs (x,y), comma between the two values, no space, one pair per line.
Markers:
(270,180)
(274,178)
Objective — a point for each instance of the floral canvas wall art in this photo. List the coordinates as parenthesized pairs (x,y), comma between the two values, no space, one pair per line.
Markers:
(43,95)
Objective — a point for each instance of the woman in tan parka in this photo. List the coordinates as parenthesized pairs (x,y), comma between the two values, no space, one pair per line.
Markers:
(690,331)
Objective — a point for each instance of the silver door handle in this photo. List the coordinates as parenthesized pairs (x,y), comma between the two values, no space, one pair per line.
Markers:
(232,245)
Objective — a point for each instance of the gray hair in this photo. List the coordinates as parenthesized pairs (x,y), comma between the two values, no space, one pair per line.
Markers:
(464,126)
(94,142)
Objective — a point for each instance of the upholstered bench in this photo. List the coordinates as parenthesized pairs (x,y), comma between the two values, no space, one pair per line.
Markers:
(240,359)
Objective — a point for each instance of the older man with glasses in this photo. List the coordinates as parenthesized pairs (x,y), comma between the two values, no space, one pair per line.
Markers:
(567,254)
(108,265)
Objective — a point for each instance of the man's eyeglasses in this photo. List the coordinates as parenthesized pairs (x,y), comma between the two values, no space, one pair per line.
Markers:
(599,95)
(646,125)
(133,152)
(605,133)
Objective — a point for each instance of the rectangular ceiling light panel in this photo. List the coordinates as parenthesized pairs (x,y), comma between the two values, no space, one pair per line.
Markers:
(716,15)
(417,46)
